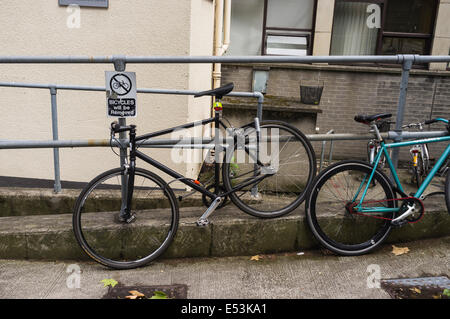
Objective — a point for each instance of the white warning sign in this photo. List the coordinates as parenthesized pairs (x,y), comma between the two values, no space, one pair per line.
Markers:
(121,93)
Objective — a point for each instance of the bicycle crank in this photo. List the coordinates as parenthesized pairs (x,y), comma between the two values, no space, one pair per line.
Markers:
(411,211)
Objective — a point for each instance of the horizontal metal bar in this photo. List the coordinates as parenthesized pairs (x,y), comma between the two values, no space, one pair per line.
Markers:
(102,89)
(257,95)
(393,135)
(225,59)
(342,136)
(15,144)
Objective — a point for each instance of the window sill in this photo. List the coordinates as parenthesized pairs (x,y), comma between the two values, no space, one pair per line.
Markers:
(272,103)
(391,69)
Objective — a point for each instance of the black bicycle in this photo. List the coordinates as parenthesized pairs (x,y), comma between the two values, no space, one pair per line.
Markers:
(128,216)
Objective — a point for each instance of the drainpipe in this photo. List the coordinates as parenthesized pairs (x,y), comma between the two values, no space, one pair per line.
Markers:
(222,23)
(226,26)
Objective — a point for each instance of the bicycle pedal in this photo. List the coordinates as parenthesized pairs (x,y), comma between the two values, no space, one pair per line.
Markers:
(202,222)
(127,218)
(399,223)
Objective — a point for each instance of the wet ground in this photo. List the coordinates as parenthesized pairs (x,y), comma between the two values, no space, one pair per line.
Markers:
(304,274)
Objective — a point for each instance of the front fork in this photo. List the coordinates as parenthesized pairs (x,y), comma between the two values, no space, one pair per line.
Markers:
(129,174)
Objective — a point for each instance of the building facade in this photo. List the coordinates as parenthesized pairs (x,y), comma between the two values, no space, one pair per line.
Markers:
(136,28)
(342,27)
(192,27)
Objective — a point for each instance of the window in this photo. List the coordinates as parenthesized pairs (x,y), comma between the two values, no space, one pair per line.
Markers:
(273,27)
(288,27)
(368,27)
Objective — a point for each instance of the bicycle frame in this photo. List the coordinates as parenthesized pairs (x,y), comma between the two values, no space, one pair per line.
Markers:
(134,153)
(423,186)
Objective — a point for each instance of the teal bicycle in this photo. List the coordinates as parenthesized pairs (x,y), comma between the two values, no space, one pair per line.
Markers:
(352,205)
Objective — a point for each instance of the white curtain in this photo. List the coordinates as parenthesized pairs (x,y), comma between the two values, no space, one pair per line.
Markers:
(351,33)
(246,27)
(290,13)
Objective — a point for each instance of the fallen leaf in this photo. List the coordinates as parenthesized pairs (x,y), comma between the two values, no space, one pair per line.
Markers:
(256,257)
(397,251)
(136,293)
(416,290)
(109,282)
(159,295)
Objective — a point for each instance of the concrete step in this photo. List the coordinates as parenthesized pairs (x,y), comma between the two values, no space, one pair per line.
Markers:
(18,201)
(22,201)
(231,233)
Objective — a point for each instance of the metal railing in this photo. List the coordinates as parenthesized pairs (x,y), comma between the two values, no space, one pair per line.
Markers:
(120,62)
(322,153)
(56,143)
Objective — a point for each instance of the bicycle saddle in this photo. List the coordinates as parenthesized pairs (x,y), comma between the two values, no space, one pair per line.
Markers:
(219,92)
(366,119)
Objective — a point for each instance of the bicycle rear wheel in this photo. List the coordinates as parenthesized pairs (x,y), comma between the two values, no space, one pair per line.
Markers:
(286,158)
(329,208)
(120,245)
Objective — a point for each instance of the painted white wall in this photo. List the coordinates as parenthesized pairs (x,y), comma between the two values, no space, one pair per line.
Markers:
(138,27)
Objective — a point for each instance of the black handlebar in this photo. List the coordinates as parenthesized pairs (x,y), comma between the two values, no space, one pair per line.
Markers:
(116,128)
(431,121)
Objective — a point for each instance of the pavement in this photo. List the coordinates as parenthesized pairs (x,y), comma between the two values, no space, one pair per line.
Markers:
(236,257)
(305,274)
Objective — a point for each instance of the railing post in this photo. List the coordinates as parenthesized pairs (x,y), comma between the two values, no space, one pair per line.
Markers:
(322,153)
(259,109)
(406,67)
(57,185)
(119,66)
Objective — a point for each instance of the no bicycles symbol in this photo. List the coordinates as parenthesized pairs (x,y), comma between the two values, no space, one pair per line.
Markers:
(121,93)
(120,84)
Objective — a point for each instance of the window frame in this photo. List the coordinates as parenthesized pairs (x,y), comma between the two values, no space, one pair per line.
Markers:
(267,30)
(381,33)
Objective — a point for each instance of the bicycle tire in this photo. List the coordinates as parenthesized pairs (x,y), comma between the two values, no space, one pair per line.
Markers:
(447,191)
(353,241)
(267,203)
(103,238)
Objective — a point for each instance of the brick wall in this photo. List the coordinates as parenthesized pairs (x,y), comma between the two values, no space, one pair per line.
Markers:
(352,90)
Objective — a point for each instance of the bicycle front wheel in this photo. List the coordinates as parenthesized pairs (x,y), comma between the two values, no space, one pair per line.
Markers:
(120,245)
(287,161)
(330,214)
(447,191)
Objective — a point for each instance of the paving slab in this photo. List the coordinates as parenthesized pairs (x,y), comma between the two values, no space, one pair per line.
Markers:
(311,274)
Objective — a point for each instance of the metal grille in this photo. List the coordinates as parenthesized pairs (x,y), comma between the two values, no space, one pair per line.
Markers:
(438,282)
